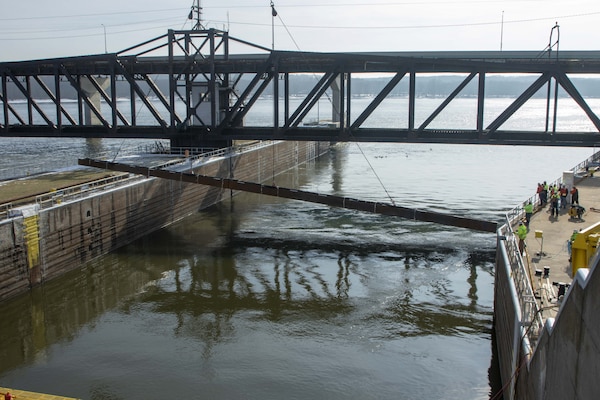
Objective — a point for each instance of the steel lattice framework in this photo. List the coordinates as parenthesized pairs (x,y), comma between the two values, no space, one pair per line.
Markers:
(193,90)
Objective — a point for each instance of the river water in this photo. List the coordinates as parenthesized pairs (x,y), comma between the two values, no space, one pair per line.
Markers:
(265,298)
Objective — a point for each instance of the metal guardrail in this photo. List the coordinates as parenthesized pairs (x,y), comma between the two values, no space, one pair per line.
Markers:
(53,198)
(530,316)
(5,210)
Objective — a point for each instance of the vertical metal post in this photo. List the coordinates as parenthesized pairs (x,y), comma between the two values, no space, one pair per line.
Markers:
(172,79)
(29,100)
(555,105)
(556,80)
(349,100)
(105,47)
(58,96)
(80,103)
(132,97)
(480,101)
(113,94)
(273,15)
(502,31)
(342,100)
(548,104)
(5,101)
(275,99)
(411,101)
(286,105)
(224,99)
(213,81)
(550,47)
(189,94)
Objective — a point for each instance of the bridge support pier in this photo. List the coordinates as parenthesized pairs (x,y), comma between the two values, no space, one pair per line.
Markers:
(94,96)
(337,99)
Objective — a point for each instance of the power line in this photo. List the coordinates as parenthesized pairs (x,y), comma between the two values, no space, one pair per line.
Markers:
(242,23)
(4,39)
(466,24)
(94,15)
(403,3)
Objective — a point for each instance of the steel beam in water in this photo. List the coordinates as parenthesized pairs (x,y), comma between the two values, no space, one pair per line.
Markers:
(295,194)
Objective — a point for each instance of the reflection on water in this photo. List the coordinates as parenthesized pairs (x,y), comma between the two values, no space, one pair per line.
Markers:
(263,297)
(205,281)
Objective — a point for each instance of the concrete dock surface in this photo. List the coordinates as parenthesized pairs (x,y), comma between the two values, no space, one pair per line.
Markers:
(551,249)
(24,395)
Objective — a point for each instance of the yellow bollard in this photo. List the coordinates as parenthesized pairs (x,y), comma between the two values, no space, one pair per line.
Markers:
(583,247)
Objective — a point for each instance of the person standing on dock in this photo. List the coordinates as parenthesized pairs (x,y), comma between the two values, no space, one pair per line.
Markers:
(570,242)
(528,213)
(574,196)
(544,194)
(522,234)
(563,196)
(554,204)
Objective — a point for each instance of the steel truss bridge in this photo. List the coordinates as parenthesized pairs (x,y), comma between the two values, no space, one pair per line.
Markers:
(197,88)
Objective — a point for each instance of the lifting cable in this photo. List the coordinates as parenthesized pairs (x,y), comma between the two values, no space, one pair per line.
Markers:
(276,14)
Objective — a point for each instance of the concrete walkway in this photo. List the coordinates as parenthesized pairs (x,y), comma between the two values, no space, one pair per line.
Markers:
(23,395)
(555,233)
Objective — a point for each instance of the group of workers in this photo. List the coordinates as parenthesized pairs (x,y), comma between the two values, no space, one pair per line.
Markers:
(557,197)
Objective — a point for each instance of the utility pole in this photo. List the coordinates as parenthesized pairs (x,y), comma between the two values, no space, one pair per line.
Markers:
(273,15)
(502,31)
(197,10)
(105,48)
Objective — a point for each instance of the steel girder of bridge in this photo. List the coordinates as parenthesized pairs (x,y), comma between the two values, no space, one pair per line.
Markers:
(199,92)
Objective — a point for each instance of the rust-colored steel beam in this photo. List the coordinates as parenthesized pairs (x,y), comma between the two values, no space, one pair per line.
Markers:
(295,194)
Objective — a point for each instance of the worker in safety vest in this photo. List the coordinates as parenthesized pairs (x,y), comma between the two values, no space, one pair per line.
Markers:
(528,213)
(544,193)
(570,242)
(554,200)
(522,234)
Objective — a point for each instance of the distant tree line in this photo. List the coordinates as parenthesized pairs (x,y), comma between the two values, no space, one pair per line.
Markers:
(426,86)
(443,85)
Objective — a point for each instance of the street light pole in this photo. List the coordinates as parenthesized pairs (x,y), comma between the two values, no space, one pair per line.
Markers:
(273,15)
(105,48)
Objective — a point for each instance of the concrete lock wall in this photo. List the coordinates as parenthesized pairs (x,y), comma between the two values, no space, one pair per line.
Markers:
(63,237)
(564,363)
(506,316)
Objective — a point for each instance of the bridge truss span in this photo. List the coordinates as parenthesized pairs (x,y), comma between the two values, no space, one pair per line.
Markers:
(199,88)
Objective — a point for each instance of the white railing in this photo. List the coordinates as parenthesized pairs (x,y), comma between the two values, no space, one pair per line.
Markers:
(79,191)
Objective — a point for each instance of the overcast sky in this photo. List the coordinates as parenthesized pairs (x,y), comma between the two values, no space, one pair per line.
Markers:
(34,29)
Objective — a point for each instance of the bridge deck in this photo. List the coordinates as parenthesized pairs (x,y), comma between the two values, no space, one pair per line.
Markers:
(200,94)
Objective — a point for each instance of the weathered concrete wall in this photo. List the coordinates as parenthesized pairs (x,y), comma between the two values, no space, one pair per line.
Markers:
(14,273)
(564,363)
(506,316)
(62,238)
